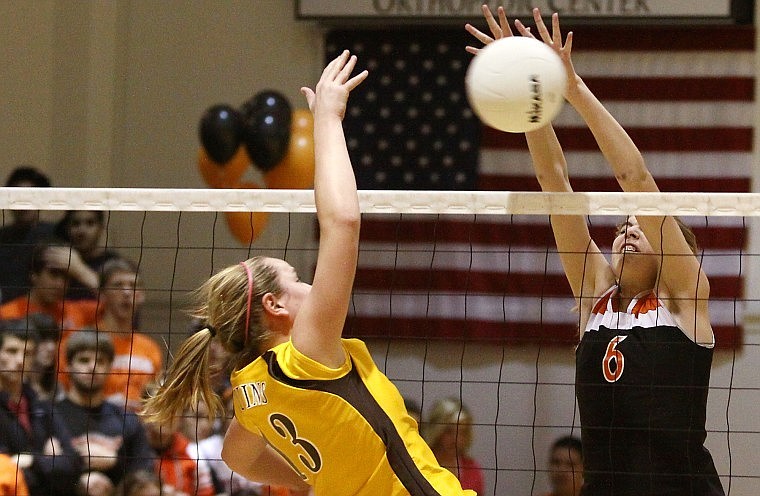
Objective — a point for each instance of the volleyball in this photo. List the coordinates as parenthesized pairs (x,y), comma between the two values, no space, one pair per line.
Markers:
(516,84)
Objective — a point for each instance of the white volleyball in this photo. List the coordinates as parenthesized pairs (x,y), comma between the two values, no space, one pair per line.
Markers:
(516,84)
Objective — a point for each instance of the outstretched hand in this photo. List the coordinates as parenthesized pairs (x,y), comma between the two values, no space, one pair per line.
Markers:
(499,29)
(555,42)
(331,93)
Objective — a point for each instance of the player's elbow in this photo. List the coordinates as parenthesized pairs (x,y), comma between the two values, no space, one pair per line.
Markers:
(553,182)
(347,222)
(231,461)
(236,463)
(635,177)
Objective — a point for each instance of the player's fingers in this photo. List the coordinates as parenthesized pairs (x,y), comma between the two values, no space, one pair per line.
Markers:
(480,35)
(309,94)
(503,22)
(523,29)
(346,70)
(556,32)
(356,80)
(336,65)
(492,24)
(545,36)
(568,47)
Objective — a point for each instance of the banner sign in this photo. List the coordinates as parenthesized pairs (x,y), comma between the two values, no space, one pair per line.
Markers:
(596,10)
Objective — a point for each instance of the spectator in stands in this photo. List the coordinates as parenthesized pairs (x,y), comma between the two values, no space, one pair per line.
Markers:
(196,425)
(448,431)
(36,439)
(137,358)
(48,277)
(566,467)
(12,481)
(175,466)
(111,441)
(18,238)
(206,445)
(141,483)
(83,230)
(42,376)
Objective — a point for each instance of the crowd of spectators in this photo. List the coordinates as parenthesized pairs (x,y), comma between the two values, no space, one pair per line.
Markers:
(75,364)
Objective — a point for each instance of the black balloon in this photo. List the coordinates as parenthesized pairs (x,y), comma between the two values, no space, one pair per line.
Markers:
(221,130)
(266,128)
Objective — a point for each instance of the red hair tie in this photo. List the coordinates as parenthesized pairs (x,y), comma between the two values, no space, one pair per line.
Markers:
(250,296)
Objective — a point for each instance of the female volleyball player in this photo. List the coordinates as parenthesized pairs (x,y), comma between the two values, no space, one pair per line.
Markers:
(311,408)
(645,351)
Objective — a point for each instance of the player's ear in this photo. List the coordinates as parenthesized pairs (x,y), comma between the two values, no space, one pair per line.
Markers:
(271,304)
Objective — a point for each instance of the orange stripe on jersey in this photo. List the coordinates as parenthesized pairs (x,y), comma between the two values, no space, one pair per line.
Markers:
(601,304)
(645,303)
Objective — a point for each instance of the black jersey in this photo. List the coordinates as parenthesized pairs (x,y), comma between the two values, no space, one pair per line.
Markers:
(642,386)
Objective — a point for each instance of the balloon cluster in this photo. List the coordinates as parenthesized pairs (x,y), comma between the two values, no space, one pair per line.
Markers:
(264,133)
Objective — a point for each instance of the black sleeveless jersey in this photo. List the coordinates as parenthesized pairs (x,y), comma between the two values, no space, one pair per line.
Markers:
(642,387)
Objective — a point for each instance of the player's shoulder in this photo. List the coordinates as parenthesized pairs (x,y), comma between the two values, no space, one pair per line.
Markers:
(355,345)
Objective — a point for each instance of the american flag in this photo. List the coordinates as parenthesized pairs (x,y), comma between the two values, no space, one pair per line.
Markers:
(409,126)
(684,93)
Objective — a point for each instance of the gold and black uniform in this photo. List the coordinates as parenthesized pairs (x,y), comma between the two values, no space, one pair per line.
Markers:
(345,431)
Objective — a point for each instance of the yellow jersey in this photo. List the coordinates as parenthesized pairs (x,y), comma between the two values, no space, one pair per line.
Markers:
(345,431)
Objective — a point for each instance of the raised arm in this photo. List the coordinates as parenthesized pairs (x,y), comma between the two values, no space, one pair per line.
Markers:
(681,280)
(317,328)
(584,265)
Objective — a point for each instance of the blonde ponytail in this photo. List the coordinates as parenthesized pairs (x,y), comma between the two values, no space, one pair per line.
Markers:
(186,383)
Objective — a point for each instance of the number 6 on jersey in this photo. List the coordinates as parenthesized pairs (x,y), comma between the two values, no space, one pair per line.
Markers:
(613,361)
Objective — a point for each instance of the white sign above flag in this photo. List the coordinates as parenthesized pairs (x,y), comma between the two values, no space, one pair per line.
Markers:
(619,10)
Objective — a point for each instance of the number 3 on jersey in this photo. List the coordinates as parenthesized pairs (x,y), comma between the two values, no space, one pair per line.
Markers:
(309,455)
(613,362)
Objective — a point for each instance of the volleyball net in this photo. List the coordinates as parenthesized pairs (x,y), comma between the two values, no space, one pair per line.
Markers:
(458,294)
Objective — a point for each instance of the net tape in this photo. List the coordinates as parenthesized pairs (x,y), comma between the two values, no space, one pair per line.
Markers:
(383,201)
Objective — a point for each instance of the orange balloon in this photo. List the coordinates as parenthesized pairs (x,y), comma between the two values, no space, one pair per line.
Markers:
(246,226)
(296,170)
(223,175)
(302,119)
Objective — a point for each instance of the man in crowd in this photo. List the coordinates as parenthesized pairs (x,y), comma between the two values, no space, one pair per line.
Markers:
(18,238)
(35,439)
(111,441)
(137,358)
(48,277)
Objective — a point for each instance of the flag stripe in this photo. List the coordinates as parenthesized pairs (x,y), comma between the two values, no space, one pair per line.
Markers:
(506,333)
(503,261)
(664,165)
(551,309)
(654,139)
(684,38)
(496,234)
(634,65)
(515,283)
(672,89)
(668,115)
(673,184)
